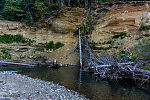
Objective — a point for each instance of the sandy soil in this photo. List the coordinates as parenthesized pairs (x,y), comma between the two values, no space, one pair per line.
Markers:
(126,19)
(62,30)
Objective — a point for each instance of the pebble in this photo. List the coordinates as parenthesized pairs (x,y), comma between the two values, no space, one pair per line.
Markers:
(21,87)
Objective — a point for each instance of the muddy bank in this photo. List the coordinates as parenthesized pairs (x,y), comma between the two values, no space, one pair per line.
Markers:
(17,87)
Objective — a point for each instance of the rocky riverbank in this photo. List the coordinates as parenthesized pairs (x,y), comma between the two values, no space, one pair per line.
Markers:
(18,87)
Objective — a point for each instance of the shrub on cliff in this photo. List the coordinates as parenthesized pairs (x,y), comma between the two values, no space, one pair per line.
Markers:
(58,45)
(50,44)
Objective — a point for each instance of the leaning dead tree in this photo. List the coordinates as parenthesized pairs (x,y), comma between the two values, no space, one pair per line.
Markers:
(110,67)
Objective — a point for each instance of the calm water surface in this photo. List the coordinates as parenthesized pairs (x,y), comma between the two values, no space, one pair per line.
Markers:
(84,83)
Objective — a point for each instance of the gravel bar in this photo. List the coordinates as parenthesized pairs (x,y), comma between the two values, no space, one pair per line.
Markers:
(14,86)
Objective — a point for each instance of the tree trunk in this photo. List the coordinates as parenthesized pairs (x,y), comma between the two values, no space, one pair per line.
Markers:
(51,1)
(85,3)
(96,1)
(62,3)
(31,17)
(69,3)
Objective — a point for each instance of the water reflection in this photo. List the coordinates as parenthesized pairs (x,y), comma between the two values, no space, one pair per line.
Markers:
(93,88)
(86,84)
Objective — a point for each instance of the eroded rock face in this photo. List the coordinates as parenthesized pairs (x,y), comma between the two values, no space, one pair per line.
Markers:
(68,21)
(61,29)
(65,55)
(8,25)
(126,19)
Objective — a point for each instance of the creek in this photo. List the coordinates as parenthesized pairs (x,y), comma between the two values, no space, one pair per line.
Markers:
(89,85)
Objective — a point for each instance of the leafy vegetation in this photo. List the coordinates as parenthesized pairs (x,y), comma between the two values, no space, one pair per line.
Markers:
(18,38)
(140,51)
(58,45)
(144,27)
(8,38)
(31,42)
(29,11)
(121,35)
(116,42)
(13,9)
(93,43)
(88,26)
(146,35)
(110,41)
(32,11)
(50,44)
(5,54)
(147,67)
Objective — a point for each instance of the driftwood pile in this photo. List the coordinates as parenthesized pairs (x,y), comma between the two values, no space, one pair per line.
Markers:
(110,68)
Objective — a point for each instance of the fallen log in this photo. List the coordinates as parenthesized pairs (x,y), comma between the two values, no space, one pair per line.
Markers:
(12,63)
(47,64)
(119,64)
(123,72)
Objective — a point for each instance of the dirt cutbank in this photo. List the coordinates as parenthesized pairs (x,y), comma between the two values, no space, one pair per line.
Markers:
(126,19)
(17,87)
(61,29)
